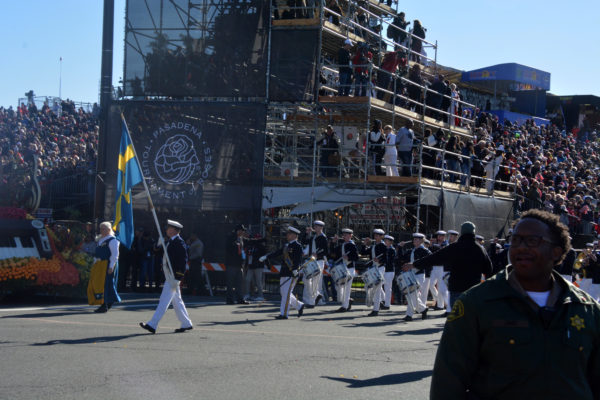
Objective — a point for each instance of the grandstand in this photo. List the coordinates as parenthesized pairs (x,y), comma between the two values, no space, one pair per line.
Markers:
(261,83)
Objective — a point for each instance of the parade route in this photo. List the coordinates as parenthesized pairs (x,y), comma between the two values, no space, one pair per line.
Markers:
(234,352)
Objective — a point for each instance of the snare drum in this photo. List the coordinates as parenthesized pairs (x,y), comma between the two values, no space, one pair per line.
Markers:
(407,282)
(310,269)
(339,273)
(372,277)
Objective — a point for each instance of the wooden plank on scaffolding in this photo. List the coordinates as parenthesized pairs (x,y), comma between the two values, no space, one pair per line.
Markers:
(393,179)
(297,22)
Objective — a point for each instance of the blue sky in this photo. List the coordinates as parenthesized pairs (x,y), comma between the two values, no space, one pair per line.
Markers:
(560,37)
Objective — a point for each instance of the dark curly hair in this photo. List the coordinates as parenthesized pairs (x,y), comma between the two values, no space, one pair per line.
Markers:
(558,230)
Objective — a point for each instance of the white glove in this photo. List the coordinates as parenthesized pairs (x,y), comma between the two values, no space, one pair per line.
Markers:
(174,283)
(295,272)
(262,259)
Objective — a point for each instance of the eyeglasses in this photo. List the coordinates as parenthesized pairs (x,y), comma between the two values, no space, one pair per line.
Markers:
(530,241)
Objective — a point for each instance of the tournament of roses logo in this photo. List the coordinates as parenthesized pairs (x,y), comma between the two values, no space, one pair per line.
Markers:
(177,160)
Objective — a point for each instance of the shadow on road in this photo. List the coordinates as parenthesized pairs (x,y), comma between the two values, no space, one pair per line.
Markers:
(424,331)
(232,323)
(52,314)
(392,379)
(98,339)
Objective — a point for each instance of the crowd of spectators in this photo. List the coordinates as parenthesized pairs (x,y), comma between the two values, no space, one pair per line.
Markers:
(64,139)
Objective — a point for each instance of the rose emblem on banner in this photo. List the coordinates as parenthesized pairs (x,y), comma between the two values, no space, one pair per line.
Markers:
(176,160)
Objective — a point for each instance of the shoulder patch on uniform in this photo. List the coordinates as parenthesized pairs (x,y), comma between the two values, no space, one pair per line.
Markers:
(458,311)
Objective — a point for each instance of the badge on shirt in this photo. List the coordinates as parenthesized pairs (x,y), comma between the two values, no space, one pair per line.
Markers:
(458,311)
(577,322)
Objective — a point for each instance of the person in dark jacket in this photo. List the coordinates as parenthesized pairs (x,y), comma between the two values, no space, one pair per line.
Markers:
(291,254)
(466,260)
(235,257)
(178,257)
(344,57)
(565,268)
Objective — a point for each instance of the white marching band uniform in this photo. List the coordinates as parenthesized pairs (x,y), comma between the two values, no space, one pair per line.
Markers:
(441,295)
(415,304)
(349,250)
(317,245)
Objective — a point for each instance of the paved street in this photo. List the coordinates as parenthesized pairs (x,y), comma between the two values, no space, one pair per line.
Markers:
(234,352)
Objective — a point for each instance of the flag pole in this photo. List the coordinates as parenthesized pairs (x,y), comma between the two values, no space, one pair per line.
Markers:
(160,236)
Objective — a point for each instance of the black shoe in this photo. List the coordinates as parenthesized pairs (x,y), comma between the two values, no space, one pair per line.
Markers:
(281,317)
(301,311)
(148,328)
(373,313)
(341,309)
(350,304)
(318,299)
(407,318)
(424,315)
(384,307)
(108,306)
(436,308)
(243,301)
(309,306)
(181,330)
(445,315)
(101,309)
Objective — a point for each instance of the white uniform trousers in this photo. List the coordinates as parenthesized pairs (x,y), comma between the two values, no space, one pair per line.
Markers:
(167,296)
(595,291)
(437,277)
(388,278)
(286,289)
(443,291)
(312,286)
(344,291)
(415,305)
(379,295)
(390,161)
(423,287)
(586,285)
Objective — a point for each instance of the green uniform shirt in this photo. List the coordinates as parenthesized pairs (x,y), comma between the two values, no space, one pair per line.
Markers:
(498,344)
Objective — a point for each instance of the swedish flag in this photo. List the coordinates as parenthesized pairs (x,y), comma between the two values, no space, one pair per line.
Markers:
(129,175)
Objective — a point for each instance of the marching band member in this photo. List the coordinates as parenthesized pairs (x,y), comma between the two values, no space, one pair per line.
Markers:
(389,271)
(349,253)
(317,248)
(443,283)
(415,304)
(377,252)
(437,275)
(177,253)
(288,275)
(586,278)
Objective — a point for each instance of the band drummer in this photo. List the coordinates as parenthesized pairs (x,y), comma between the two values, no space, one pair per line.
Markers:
(348,252)
(388,276)
(317,248)
(437,275)
(415,305)
(288,275)
(377,253)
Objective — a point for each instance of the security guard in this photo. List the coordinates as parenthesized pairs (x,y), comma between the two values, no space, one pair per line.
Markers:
(288,275)
(317,247)
(177,253)
(525,333)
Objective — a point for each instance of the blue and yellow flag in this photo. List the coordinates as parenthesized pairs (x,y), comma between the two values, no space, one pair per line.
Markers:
(129,175)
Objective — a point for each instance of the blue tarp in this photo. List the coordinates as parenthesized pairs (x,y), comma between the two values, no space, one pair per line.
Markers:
(512,72)
(516,117)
